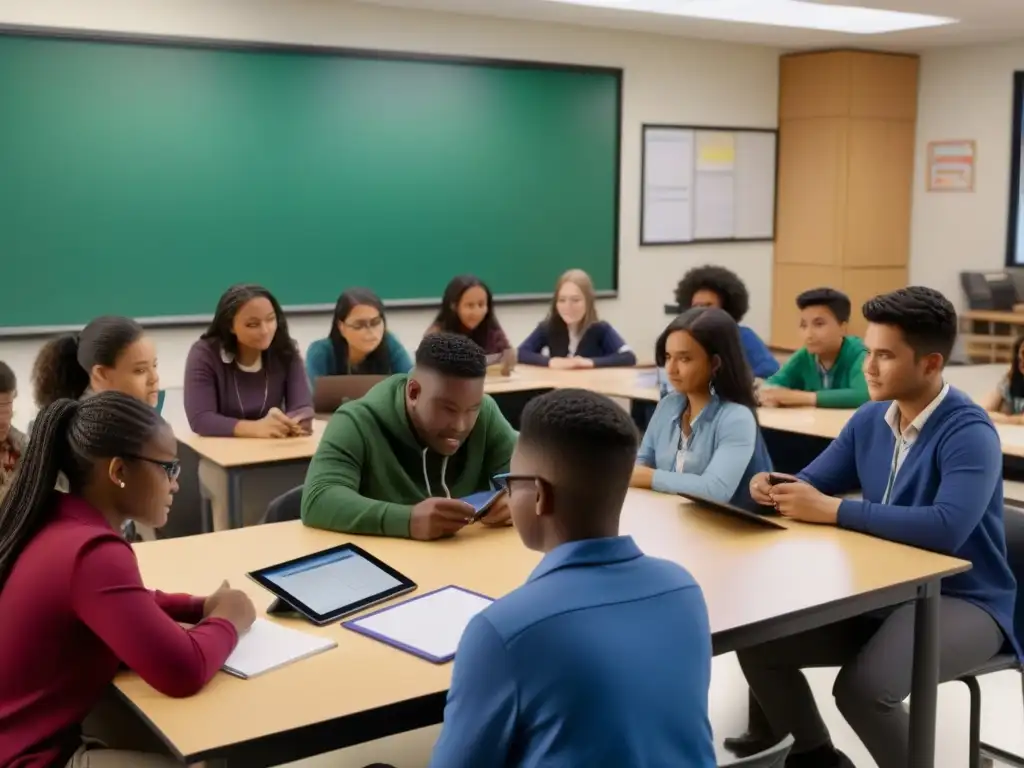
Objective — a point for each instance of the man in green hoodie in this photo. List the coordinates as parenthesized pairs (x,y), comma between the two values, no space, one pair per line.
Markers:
(827,372)
(397,461)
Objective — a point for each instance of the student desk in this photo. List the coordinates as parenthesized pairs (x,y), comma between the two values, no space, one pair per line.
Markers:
(238,456)
(759,583)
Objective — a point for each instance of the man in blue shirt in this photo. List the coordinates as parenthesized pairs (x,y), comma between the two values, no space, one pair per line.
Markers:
(929,464)
(603,657)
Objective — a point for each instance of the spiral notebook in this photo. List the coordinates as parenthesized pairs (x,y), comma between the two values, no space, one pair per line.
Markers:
(268,645)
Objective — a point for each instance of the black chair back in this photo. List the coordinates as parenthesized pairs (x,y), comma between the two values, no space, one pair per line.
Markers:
(287,506)
(1013,520)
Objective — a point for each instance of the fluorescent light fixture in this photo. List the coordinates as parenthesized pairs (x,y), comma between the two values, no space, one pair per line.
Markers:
(780,13)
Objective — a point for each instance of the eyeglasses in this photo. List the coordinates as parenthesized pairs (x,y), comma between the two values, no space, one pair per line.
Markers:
(366,325)
(505,481)
(172,468)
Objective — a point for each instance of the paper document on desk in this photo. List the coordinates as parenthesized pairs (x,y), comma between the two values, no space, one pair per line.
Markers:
(429,626)
(268,645)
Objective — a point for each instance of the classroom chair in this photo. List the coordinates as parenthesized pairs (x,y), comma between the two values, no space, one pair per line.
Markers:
(773,757)
(981,754)
(287,506)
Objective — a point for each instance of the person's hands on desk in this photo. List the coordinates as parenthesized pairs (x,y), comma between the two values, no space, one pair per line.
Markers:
(570,363)
(801,501)
(232,605)
(781,397)
(500,513)
(274,425)
(436,518)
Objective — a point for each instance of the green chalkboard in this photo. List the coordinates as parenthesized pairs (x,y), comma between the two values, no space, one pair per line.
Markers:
(144,177)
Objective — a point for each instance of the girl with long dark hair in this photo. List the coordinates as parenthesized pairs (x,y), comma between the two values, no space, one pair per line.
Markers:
(1005,404)
(359,341)
(703,437)
(71,596)
(244,377)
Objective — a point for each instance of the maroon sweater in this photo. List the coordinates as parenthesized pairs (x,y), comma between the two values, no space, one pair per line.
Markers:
(72,611)
(219,394)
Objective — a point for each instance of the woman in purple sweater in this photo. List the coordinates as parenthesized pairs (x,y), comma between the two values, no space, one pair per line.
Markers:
(245,378)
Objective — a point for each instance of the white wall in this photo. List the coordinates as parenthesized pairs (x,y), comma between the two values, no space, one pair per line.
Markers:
(666,80)
(964,93)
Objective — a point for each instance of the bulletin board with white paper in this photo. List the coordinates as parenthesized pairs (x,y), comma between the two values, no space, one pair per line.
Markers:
(706,185)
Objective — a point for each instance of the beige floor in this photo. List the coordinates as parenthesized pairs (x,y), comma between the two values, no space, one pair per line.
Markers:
(1002,718)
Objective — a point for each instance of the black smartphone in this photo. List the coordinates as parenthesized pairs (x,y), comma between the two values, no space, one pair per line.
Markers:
(774,479)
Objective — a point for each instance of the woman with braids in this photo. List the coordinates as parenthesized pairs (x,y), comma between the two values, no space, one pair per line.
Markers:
(110,353)
(711,286)
(72,600)
(244,378)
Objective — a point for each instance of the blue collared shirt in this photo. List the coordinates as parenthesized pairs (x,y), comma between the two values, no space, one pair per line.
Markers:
(603,658)
(724,451)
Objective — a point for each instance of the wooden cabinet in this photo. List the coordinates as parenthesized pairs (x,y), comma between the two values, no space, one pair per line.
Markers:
(846,166)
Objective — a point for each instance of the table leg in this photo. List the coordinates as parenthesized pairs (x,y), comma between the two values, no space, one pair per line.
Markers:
(924,688)
(235,518)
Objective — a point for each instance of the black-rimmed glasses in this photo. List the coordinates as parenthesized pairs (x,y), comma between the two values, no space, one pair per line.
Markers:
(172,468)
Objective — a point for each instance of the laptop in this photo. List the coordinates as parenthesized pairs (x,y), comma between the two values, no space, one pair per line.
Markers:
(734,511)
(331,392)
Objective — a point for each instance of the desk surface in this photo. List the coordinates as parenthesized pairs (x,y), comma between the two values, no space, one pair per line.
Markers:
(615,382)
(749,575)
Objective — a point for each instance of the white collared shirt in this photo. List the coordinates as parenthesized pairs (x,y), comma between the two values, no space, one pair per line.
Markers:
(229,358)
(905,439)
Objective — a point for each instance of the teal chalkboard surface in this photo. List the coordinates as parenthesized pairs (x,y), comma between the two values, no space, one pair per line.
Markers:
(144,177)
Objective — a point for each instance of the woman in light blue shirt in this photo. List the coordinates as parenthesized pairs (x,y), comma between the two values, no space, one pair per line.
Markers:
(703,437)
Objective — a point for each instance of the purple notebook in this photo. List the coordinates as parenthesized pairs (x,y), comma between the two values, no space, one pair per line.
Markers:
(428,625)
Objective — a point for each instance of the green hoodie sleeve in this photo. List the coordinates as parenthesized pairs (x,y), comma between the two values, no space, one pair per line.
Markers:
(788,375)
(331,499)
(853,396)
(501,440)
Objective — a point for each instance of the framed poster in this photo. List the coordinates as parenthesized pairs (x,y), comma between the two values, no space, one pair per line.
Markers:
(951,165)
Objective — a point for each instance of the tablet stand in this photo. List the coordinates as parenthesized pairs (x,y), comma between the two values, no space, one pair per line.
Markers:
(280,608)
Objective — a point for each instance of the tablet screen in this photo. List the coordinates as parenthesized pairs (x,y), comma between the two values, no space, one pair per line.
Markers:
(330,584)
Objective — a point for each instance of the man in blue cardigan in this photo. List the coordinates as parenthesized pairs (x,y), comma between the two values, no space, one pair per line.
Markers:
(929,464)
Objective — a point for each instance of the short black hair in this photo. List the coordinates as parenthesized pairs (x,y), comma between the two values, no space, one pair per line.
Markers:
(836,302)
(592,441)
(8,381)
(926,318)
(452,354)
(732,293)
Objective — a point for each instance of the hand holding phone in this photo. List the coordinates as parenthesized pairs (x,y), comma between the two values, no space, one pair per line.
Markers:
(775,478)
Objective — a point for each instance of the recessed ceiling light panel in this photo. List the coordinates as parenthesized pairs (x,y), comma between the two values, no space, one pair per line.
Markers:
(799,14)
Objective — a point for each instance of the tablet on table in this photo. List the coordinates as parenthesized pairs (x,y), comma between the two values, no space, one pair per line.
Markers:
(336,582)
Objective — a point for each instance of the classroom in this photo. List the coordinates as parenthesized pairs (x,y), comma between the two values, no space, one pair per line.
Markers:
(159,153)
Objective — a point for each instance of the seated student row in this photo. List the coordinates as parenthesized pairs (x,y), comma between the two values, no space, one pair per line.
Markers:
(553,477)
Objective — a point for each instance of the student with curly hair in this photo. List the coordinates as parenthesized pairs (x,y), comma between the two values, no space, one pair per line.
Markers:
(711,286)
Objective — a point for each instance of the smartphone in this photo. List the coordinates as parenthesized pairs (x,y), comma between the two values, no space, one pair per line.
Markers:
(482,502)
(774,479)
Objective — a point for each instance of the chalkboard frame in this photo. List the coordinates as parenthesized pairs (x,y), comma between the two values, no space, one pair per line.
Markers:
(706,241)
(206,43)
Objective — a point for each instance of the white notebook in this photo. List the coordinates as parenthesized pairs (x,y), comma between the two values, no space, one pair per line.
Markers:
(267,645)
(429,626)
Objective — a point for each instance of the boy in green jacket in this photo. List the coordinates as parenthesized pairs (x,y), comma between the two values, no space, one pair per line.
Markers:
(827,372)
(397,461)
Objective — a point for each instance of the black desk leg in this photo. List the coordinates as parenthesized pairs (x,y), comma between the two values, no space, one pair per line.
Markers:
(235,510)
(924,688)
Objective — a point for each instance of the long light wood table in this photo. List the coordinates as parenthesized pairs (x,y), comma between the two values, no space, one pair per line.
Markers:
(237,456)
(759,583)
